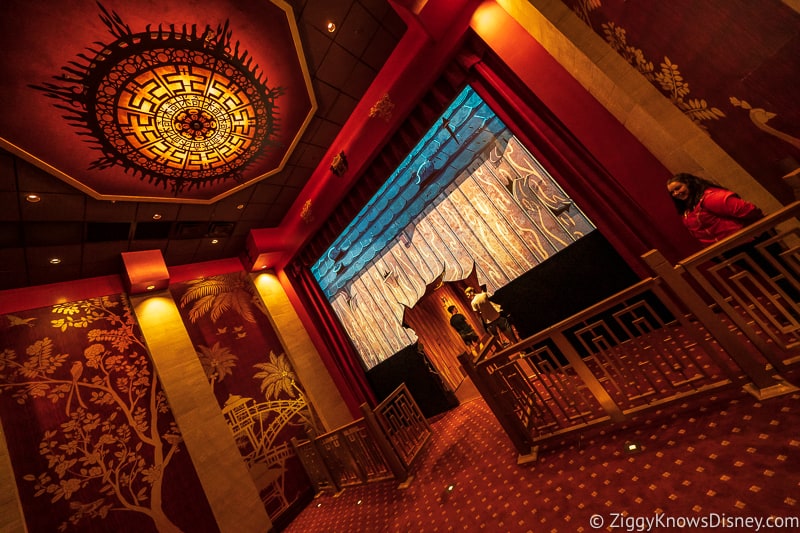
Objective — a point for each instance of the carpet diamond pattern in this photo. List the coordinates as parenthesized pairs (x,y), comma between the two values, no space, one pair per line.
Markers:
(715,458)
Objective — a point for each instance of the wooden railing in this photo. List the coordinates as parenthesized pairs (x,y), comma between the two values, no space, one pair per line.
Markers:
(380,446)
(759,287)
(722,318)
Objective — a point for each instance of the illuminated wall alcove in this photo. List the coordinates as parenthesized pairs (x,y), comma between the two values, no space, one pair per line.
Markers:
(468,196)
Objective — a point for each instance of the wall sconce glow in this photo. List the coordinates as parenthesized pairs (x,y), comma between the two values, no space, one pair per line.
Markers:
(33,198)
(486,19)
(331,27)
(55,261)
(156,310)
(267,281)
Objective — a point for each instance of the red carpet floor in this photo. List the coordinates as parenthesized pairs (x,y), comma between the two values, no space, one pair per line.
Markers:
(724,459)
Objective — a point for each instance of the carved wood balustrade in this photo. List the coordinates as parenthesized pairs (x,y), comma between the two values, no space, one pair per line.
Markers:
(382,445)
(726,317)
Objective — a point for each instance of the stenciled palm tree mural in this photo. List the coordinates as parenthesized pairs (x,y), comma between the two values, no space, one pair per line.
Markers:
(110,441)
(216,295)
(222,311)
(258,427)
(217,361)
(278,376)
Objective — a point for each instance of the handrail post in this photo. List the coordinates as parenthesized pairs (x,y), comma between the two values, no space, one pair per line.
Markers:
(595,387)
(764,385)
(518,434)
(323,466)
(395,463)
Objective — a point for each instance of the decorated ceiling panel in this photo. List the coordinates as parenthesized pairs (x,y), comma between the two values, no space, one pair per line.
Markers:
(180,101)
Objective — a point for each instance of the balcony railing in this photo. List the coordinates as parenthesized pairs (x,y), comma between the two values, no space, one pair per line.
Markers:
(726,317)
(380,446)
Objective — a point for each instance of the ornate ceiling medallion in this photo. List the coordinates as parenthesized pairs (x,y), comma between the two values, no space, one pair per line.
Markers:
(180,109)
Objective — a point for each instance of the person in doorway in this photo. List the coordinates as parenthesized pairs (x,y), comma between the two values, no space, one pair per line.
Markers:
(491,315)
(462,327)
(709,211)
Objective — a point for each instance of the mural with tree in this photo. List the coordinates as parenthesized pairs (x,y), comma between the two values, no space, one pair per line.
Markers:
(77,378)
(254,381)
(738,59)
(669,78)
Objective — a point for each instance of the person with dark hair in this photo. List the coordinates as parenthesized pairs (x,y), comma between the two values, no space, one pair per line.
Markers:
(709,211)
(462,327)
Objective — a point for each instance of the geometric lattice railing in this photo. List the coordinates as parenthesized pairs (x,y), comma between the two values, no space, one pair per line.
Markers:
(401,421)
(726,317)
(631,351)
(755,279)
(378,447)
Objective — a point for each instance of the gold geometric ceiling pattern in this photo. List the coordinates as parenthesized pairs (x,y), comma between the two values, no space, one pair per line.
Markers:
(87,214)
(179,110)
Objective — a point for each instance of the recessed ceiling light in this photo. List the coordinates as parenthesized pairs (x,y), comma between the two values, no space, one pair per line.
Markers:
(240,206)
(156,217)
(150,287)
(33,198)
(331,27)
(214,241)
(55,261)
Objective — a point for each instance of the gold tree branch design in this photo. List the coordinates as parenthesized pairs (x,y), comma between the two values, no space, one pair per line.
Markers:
(117,460)
(669,78)
(584,7)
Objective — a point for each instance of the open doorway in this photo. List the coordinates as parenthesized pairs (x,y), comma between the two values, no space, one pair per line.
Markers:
(429,318)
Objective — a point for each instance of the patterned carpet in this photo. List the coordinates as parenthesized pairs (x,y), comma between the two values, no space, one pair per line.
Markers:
(723,459)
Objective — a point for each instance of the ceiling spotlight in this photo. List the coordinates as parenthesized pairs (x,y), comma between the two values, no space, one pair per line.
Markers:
(156,217)
(214,241)
(150,287)
(55,261)
(240,206)
(331,27)
(33,198)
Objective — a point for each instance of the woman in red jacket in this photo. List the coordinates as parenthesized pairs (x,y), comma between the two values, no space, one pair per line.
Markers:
(709,211)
